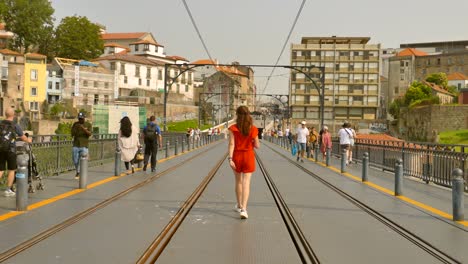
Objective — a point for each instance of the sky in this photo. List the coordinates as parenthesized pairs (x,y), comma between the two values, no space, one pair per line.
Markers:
(254,31)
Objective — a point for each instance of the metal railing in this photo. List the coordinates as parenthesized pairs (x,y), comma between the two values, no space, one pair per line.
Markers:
(426,161)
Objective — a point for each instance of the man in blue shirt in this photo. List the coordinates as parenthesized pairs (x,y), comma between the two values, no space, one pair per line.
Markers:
(9,132)
(152,137)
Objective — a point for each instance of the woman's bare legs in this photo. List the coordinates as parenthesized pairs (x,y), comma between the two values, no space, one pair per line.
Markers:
(238,188)
(245,189)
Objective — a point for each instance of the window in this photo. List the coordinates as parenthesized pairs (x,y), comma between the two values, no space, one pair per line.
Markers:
(148,73)
(50,85)
(106,85)
(438,61)
(337,66)
(106,99)
(407,64)
(85,83)
(85,99)
(33,91)
(57,85)
(34,106)
(112,66)
(186,88)
(355,53)
(294,55)
(122,69)
(148,83)
(402,77)
(139,81)
(96,99)
(293,77)
(344,53)
(402,70)
(73,82)
(160,74)
(402,64)
(125,79)
(396,90)
(137,71)
(33,75)
(317,53)
(95,84)
(351,67)
(146,47)
(137,47)
(366,54)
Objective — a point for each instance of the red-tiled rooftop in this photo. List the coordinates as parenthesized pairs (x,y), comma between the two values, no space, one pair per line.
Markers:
(457,76)
(436,87)
(175,57)
(411,52)
(130,58)
(144,41)
(134,35)
(9,52)
(204,61)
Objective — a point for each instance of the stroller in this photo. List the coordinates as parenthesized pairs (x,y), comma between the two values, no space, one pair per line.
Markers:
(33,174)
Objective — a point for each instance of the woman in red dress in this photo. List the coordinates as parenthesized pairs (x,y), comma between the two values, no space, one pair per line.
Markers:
(243,138)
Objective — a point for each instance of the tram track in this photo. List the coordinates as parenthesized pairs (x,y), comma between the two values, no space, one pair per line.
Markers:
(78,217)
(405,233)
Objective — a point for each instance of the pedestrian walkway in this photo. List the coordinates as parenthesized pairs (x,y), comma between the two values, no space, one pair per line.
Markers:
(213,232)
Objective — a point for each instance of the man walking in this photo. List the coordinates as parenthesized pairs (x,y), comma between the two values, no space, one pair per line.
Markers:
(9,131)
(152,137)
(80,131)
(302,135)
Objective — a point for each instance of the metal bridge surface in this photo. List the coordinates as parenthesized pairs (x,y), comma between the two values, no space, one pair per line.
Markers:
(298,213)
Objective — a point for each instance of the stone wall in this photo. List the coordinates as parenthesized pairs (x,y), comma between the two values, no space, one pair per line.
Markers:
(418,124)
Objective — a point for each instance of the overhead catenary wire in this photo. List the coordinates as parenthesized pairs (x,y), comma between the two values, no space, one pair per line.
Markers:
(285,43)
(196,29)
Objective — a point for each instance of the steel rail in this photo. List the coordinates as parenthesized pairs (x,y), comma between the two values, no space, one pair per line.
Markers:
(305,251)
(410,236)
(156,248)
(77,217)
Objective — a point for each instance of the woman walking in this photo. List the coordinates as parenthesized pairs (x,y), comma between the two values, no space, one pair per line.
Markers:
(128,142)
(326,142)
(243,138)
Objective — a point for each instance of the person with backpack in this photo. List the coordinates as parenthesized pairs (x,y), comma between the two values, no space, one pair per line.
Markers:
(9,132)
(80,131)
(152,137)
(313,141)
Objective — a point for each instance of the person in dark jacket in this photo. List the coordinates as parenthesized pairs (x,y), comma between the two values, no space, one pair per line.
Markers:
(152,137)
(80,131)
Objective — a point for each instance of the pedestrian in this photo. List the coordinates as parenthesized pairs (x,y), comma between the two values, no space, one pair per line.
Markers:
(313,140)
(302,134)
(345,139)
(152,139)
(9,131)
(352,134)
(80,131)
(243,138)
(326,143)
(128,143)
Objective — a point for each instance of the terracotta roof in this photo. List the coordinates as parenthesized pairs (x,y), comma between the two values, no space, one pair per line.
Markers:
(115,45)
(457,76)
(134,35)
(376,137)
(436,88)
(125,51)
(35,55)
(130,58)
(145,41)
(9,52)
(175,57)
(204,61)
(230,70)
(411,52)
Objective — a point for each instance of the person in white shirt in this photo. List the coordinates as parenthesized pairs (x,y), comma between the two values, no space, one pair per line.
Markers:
(346,136)
(302,135)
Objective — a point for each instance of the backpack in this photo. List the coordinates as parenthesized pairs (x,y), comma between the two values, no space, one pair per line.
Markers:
(7,136)
(313,138)
(151,132)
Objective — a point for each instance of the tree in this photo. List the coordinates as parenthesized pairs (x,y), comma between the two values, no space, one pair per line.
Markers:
(78,38)
(47,44)
(417,91)
(26,19)
(394,108)
(439,78)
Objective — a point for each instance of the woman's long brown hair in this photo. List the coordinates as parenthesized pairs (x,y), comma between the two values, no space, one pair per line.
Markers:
(244,120)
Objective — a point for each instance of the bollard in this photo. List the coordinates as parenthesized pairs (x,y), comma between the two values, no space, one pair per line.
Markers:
(365,166)
(343,161)
(175,148)
(167,149)
(182,145)
(188,145)
(83,170)
(22,183)
(327,160)
(118,162)
(398,177)
(458,195)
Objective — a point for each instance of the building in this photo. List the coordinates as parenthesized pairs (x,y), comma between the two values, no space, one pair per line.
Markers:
(458,80)
(401,73)
(85,83)
(5,36)
(12,82)
(446,62)
(445,97)
(124,39)
(34,92)
(54,84)
(351,81)
(438,47)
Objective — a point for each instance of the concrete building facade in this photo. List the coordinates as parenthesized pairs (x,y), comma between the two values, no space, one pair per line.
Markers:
(352,81)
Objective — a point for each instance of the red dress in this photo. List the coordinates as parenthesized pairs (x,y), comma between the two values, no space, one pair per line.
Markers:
(243,155)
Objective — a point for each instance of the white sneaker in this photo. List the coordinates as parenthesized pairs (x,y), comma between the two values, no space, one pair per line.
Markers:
(243,214)
(237,209)
(9,193)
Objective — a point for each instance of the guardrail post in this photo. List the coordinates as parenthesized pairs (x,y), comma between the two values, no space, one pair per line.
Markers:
(365,166)
(327,158)
(182,145)
(167,149)
(398,177)
(458,187)
(118,162)
(343,160)
(22,183)
(83,170)
(176,152)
